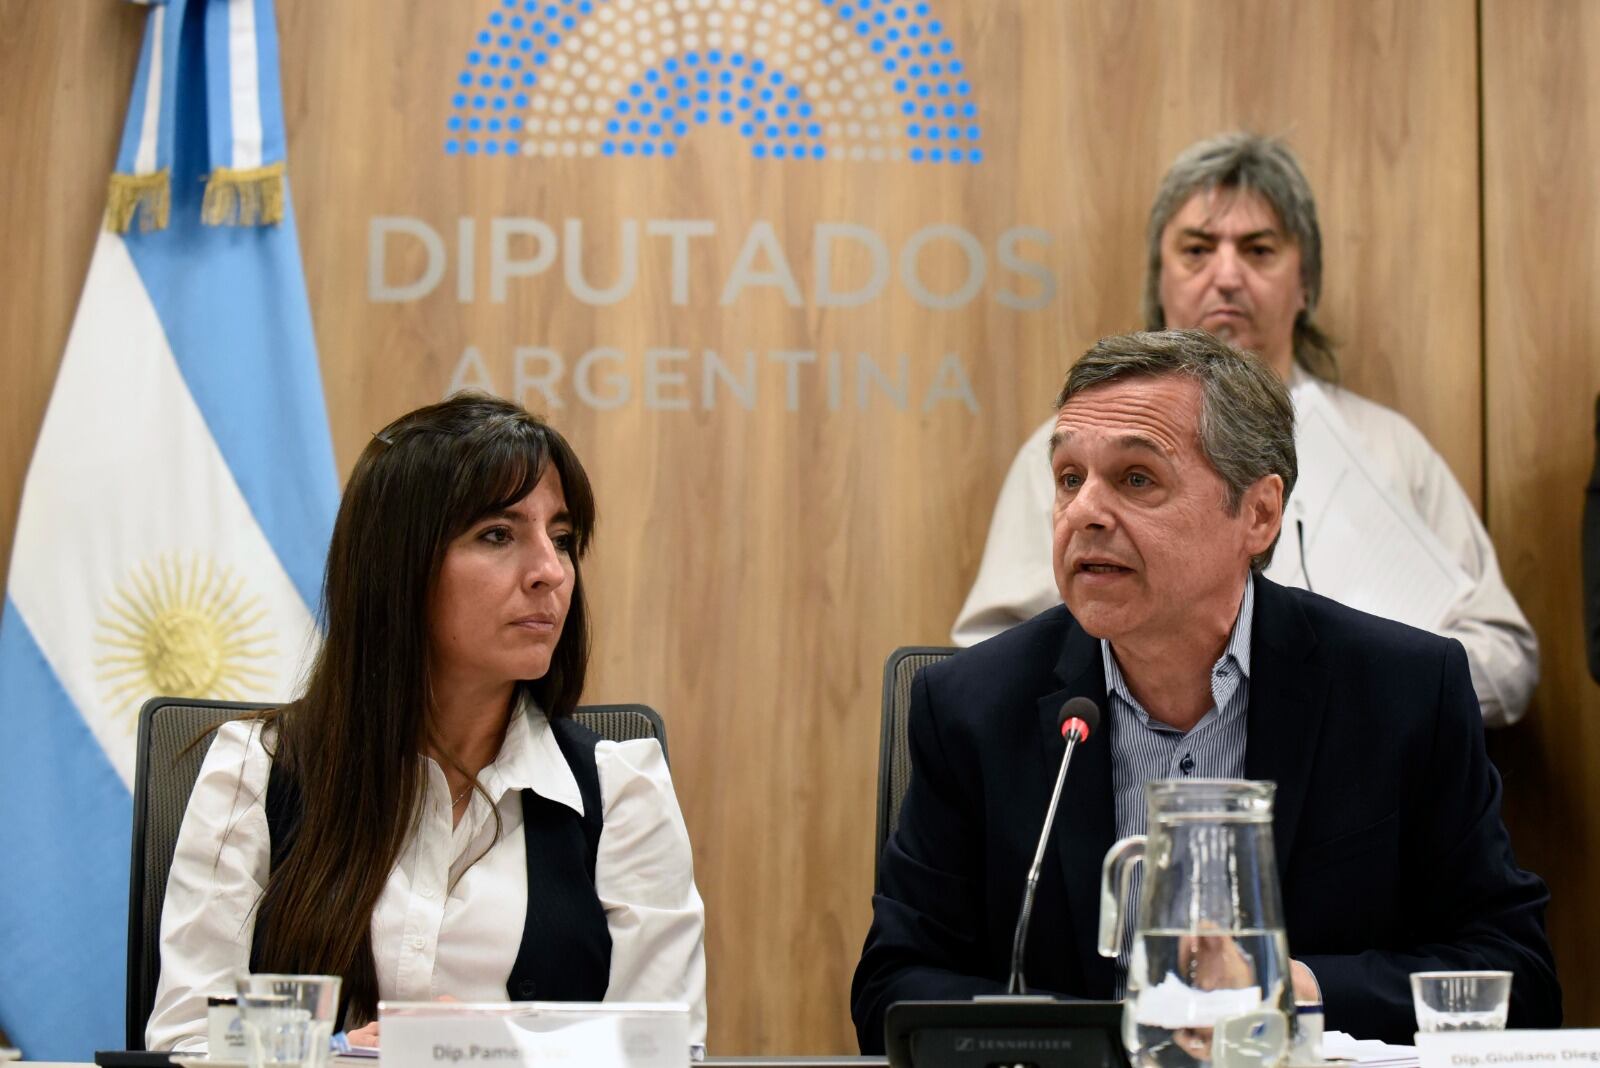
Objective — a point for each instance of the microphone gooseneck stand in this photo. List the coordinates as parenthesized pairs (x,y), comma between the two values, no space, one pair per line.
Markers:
(1079,717)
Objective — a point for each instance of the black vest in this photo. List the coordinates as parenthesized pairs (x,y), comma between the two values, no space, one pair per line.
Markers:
(565,953)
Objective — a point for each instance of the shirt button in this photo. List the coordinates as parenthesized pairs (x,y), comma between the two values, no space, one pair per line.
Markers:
(1186,765)
(418,943)
(427,892)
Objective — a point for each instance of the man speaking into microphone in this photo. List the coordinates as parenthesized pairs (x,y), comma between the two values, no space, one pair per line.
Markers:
(1173,457)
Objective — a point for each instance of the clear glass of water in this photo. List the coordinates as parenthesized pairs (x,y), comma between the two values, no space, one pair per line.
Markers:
(287,1019)
(1461,1001)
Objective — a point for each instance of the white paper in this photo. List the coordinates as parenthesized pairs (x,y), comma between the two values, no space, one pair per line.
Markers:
(1364,547)
(1366,1052)
(1175,1004)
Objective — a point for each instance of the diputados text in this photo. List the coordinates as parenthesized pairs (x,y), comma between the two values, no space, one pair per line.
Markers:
(939,267)
(521,251)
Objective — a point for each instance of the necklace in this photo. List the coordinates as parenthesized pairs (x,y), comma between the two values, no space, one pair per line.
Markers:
(465,790)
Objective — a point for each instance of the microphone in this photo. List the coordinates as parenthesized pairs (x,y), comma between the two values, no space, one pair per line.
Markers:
(1078,719)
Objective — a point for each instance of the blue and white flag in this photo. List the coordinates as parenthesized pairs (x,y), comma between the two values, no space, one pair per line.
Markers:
(176,513)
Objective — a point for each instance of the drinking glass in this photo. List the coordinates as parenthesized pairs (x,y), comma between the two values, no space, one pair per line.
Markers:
(1461,1001)
(287,1019)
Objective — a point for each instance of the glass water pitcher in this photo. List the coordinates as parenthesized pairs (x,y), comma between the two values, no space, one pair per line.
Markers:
(1208,972)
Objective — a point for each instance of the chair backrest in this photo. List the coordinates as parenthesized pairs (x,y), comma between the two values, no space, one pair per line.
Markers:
(174,736)
(894,752)
(622,723)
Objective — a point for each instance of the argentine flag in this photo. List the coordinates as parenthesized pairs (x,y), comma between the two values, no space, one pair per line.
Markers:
(176,512)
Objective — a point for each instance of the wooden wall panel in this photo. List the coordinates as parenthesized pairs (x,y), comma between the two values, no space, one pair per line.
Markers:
(1542,244)
(64,76)
(754,567)
(1376,98)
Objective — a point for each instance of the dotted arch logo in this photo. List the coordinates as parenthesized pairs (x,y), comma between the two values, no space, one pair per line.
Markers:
(796,80)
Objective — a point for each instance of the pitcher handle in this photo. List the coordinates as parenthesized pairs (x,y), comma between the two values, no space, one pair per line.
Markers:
(1116,878)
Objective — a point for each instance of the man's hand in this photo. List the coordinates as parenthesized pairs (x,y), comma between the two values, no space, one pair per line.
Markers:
(1214,962)
(1306,989)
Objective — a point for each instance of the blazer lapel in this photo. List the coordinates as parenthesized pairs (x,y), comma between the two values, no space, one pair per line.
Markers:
(1085,822)
(1288,699)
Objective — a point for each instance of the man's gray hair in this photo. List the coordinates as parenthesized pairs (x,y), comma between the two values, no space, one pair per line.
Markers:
(1263,165)
(1246,416)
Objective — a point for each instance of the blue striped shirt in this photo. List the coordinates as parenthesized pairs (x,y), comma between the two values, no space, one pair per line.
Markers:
(1144,748)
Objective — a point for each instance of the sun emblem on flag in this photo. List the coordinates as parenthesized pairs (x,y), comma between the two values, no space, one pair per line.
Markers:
(184,628)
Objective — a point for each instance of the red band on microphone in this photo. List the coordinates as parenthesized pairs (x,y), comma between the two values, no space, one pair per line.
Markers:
(1073,723)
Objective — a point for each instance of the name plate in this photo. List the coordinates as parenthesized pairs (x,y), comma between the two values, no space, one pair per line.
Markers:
(453,1034)
(1508,1049)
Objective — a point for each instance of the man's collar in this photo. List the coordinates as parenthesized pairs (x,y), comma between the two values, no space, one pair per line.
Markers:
(1237,649)
(1080,651)
(1288,703)
(1243,627)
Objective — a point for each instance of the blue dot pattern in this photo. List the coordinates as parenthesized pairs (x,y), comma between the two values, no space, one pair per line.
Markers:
(567,77)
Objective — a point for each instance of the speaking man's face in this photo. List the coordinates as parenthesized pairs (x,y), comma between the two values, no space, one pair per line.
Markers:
(1144,543)
(1228,267)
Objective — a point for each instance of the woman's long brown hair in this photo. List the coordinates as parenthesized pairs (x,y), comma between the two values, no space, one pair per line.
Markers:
(352,742)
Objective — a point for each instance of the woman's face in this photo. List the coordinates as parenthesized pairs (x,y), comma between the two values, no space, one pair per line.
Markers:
(502,595)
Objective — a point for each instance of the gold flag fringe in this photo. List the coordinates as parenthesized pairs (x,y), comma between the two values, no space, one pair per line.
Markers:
(149,196)
(244,197)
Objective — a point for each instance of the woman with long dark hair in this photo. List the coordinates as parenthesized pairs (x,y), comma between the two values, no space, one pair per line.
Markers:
(427,820)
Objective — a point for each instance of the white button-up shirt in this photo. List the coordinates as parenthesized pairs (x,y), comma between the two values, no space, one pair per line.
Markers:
(450,918)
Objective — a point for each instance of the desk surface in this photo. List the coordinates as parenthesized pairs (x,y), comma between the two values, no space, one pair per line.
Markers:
(794,1062)
(710,1062)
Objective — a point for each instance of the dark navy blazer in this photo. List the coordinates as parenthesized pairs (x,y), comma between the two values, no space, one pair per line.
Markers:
(1390,847)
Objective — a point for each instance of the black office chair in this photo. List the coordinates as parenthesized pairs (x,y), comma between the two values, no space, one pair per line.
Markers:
(894,753)
(623,723)
(174,735)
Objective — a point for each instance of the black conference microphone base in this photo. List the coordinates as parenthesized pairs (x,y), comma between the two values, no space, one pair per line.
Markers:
(1005,1030)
